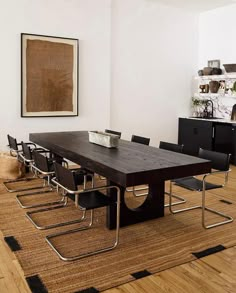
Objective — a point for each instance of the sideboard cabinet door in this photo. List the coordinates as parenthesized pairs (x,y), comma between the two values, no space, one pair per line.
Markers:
(194,134)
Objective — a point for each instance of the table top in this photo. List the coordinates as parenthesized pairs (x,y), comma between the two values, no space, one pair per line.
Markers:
(127,165)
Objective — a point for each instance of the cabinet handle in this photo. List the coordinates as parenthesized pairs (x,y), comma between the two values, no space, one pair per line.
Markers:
(213,132)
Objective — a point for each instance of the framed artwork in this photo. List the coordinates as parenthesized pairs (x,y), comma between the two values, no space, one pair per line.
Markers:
(214,63)
(49,76)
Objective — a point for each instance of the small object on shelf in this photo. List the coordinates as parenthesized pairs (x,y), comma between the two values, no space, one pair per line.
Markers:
(206,114)
(207,71)
(204,88)
(230,67)
(234,87)
(214,86)
(200,72)
(216,71)
(222,87)
(214,63)
(107,140)
(233,113)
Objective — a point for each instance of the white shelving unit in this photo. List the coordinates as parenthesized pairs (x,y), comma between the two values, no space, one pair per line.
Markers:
(223,102)
(229,79)
(205,95)
(226,76)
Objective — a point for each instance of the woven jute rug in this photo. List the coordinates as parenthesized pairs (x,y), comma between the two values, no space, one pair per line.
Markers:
(153,245)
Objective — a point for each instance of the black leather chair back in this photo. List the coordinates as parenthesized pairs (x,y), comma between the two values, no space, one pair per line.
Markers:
(140,139)
(113,132)
(65,177)
(26,151)
(12,142)
(220,161)
(41,162)
(178,148)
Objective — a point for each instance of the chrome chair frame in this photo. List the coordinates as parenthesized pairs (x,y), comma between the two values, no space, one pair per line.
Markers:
(111,132)
(134,189)
(203,205)
(60,204)
(180,198)
(47,183)
(29,163)
(77,193)
(38,172)
(13,145)
(145,141)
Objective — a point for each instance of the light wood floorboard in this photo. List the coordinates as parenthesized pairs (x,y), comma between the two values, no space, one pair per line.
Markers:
(11,275)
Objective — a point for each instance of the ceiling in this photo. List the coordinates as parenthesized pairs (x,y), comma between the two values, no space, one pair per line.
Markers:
(196,5)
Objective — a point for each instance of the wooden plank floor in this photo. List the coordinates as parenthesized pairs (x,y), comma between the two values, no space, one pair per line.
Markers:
(11,275)
(214,273)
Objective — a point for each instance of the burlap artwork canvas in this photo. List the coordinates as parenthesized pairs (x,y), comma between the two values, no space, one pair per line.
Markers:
(49,76)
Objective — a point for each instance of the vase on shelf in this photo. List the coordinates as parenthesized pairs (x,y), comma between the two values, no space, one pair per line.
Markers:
(214,86)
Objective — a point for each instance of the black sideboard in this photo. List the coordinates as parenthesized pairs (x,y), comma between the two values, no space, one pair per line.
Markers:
(209,134)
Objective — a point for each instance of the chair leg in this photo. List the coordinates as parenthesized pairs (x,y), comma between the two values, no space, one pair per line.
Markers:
(64,202)
(5,183)
(47,184)
(18,196)
(203,208)
(64,258)
(134,189)
(229,218)
(48,237)
(180,198)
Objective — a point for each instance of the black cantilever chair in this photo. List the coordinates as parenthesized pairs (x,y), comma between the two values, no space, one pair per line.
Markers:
(118,133)
(42,166)
(46,167)
(145,141)
(177,148)
(220,164)
(113,132)
(15,147)
(89,199)
(23,152)
(140,139)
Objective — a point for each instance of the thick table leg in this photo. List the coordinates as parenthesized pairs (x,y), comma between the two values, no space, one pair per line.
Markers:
(152,207)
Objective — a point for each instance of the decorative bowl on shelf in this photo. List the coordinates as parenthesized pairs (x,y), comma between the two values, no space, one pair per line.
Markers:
(216,71)
(230,67)
(200,72)
(207,70)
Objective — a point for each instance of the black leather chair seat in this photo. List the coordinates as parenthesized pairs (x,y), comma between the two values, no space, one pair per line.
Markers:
(193,183)
(93,200)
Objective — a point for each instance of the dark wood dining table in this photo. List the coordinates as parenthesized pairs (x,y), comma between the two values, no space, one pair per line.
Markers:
(127,165)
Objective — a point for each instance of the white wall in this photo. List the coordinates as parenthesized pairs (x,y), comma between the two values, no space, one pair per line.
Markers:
(87,20)
(217,36)
(154,54)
